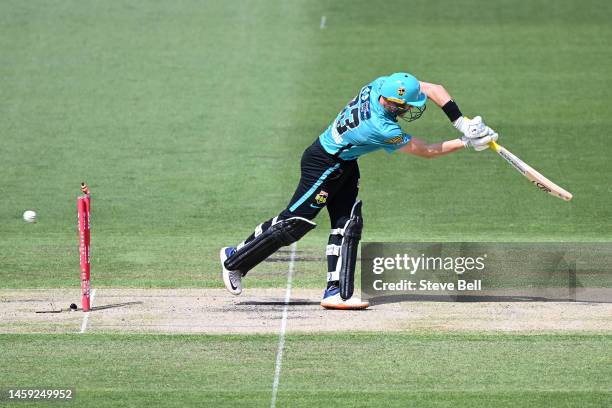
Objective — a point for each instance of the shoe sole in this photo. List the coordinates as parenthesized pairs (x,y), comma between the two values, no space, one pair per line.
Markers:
(225,274)
(344,306)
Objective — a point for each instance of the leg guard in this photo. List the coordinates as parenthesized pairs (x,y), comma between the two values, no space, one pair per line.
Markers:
(265,242)
(332,251)
(348,251)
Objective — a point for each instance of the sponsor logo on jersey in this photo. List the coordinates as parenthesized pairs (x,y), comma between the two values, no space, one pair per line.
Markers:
(395,140)
(321,198)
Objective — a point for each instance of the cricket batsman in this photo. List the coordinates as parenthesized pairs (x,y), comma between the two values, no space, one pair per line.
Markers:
(330,178)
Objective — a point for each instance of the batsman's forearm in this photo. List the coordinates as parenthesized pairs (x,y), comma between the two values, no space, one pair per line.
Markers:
(440,149)
(418,147)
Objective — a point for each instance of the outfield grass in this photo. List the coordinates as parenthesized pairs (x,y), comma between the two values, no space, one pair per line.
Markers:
(341,370)
(188,121)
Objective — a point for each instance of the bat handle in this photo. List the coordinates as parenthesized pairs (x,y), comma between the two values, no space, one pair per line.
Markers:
(493,145)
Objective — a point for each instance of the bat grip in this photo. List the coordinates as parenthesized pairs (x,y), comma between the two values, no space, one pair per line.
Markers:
(493,145)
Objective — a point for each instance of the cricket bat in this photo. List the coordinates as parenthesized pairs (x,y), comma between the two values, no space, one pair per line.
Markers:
(532,175)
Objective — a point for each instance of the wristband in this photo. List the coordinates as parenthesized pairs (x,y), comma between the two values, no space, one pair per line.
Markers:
(452,110)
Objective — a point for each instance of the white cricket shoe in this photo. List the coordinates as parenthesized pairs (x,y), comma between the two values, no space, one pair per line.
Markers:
(231,279)
(332,300)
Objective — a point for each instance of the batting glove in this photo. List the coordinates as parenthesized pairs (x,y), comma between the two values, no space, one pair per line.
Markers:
(472,128)
(480,143)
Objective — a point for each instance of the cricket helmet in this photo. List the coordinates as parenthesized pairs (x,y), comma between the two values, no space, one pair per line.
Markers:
(404,89)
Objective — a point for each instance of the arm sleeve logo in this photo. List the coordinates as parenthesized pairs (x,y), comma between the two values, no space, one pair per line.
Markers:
(395,140)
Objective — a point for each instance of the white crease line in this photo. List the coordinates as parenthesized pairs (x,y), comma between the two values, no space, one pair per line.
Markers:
(281,340)
(86,317)
(323,20)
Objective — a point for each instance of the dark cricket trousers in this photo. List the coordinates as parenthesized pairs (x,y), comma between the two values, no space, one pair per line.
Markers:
(326,181)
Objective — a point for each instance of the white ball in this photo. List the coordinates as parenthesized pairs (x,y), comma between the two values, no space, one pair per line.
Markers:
(29,216)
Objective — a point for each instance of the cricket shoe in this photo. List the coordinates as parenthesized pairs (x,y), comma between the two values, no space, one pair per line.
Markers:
(231,279)
(332,300)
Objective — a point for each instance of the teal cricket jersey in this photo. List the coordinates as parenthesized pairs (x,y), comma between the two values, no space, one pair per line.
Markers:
(363,126)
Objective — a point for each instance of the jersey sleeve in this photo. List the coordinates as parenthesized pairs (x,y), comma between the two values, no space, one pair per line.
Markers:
(391,137)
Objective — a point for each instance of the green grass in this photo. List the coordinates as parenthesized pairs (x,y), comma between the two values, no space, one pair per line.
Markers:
(188,121)
(348,370)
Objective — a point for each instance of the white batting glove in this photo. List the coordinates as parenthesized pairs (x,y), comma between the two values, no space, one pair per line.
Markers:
(472,128)
(487,131)
(480,143)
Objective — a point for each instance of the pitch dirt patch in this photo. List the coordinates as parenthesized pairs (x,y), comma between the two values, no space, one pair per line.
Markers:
(259,311)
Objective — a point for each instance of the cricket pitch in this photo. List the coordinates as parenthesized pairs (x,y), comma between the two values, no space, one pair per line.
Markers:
(214,311)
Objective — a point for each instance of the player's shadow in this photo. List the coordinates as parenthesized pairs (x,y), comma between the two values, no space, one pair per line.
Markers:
(296,302)
(379,300)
